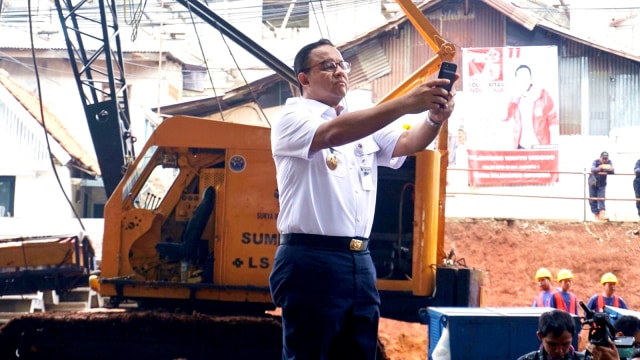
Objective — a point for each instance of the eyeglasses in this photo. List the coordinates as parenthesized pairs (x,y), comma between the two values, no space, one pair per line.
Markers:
(331,66)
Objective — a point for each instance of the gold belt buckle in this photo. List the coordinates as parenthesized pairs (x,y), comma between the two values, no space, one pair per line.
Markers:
(355,245)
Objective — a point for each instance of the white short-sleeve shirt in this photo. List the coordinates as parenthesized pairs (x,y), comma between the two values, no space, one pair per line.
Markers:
(314,198)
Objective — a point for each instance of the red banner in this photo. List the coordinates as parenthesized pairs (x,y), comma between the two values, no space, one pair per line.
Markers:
(511,119)
(513,167)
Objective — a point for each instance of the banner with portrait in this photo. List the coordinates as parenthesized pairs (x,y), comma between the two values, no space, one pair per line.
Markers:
(511,115)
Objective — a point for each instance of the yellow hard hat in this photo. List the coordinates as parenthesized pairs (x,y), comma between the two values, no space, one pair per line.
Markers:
(564,274)
(608,278)
(543,273)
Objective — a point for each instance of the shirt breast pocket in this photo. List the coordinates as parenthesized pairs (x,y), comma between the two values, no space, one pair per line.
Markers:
(365,154)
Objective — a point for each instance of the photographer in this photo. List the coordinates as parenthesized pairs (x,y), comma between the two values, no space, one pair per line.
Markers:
(628,326)
(556,329)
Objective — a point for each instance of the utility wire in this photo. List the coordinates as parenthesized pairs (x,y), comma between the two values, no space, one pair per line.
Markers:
(204,58)
(315,15)
(44,125)
(253,95)
(237,66)
(324,16)
(136,15)
(243,14)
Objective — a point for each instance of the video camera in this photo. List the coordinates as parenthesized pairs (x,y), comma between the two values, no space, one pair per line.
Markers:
(601,329)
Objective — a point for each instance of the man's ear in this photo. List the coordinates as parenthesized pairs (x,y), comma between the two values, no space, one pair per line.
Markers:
(303,78)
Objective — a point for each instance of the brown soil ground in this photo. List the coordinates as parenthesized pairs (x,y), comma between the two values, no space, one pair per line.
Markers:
(512,250)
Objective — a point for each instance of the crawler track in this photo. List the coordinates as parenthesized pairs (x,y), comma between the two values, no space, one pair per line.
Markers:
(135,334)
(139,335)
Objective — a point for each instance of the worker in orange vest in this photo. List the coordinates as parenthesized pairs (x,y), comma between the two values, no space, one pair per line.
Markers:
(543,299)
(564,299)
(598,301)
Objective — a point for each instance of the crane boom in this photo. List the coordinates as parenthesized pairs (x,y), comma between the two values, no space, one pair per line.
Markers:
(101,83)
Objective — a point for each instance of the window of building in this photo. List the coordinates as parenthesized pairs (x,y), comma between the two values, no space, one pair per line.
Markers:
(7,193)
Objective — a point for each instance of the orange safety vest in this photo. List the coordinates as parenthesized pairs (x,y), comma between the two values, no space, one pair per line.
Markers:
(540,300)
(616,302)
(561,305)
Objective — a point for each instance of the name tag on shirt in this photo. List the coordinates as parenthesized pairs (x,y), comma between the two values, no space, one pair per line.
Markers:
(367,178)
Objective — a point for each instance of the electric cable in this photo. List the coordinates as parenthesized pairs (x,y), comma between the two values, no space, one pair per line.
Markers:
(253,95)
(324,16)
(241,14)
(44,126)
(136,16)
(315,15)
(204,58)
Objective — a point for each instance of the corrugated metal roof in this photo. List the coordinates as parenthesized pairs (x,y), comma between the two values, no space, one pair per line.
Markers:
(529,21)
(522,17)
(588,41)
(54,127)
(368,61)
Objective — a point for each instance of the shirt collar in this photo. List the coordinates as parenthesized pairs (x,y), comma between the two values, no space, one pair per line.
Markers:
(316,108)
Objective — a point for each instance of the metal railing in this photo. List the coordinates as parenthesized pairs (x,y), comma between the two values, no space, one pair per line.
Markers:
(566,199)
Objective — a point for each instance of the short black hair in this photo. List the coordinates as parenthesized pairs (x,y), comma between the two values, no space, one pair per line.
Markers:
(300,63)
(556,322)
(628,325)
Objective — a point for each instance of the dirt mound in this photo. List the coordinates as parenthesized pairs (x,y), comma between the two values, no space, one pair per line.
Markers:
(512,250)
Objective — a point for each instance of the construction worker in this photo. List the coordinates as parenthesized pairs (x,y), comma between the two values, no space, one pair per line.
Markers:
(598,301)
(543,299)
(564,299)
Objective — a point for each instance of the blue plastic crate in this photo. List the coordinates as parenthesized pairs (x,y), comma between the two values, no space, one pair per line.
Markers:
(487,333)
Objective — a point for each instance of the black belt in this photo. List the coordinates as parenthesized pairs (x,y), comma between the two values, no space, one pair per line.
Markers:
(326,242)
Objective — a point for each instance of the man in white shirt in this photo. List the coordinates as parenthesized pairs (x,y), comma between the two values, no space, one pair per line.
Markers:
(326,160)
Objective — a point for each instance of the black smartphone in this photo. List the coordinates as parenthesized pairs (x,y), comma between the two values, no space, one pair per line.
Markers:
(447,71)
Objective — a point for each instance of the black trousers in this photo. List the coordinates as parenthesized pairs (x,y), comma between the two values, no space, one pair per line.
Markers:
(330,304)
